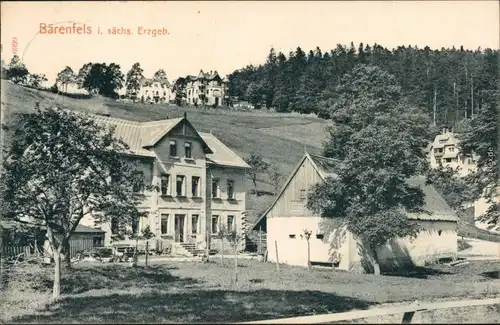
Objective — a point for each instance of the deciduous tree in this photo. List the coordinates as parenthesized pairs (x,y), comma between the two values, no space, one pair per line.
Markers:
(479,139)
(66,77)
(62,167)
(258,166)
(134,78)
(160,75)
(379,143)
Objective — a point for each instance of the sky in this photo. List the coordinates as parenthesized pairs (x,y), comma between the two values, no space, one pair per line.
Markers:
(229,35)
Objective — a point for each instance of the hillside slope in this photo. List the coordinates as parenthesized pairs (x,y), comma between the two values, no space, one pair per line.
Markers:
(280,139)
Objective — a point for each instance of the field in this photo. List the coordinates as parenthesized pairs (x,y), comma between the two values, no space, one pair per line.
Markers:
(279,138)
(195,292)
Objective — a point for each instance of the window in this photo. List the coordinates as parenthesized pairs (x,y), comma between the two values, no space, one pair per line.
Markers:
(215,188)
(173,148)
(194,224)
(438,160)
(230,223)
(165,182)
(135,226)
(320,236)
(291,236)
(195,186)
(302,195)
(215,224)
(451,149)
(114,225)
(164,224)
(180,185)
(97,241)
(138,186)
(448,159)
(187,149)
(469,161)
(230,190)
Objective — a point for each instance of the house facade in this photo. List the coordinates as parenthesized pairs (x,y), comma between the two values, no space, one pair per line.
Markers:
(153,91)
(330,242)
(207,89)
(445,151)
(199,183)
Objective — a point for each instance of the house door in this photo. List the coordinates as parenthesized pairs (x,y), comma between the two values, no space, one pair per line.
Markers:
(179,228)
(216,101)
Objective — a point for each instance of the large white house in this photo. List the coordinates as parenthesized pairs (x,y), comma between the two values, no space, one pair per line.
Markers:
(288,216)
(200,182)
(207,88)
(445,152)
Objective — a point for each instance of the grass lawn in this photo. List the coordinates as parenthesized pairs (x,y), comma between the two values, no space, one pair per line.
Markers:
(178,292)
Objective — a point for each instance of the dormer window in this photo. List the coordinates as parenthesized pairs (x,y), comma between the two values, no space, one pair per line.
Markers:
(173,148)
(187,149)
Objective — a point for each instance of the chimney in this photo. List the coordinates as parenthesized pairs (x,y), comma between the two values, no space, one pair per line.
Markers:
(444,130)
(185,115)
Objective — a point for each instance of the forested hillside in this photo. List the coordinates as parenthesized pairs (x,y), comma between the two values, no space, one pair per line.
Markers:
(453,83)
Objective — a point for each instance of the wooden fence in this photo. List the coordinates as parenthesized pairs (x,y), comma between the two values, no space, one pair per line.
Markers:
(13,251)
(478,234)
(256,242)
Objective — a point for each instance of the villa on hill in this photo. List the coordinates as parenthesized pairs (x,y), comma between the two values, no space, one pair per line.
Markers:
(207,88)
(153,91)
(330,243)
(445,151)
(199,181)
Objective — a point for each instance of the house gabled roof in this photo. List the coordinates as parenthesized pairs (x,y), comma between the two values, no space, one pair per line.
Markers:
(221,154)
(323,165)
(146,82)
(143,135)
(435,207)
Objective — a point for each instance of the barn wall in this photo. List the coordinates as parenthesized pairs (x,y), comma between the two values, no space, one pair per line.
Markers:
(333,247)
(437,239)
(292,202)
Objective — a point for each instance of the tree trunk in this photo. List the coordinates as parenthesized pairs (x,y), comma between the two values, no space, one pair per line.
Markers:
(66,251)
(222,250)
(147,253)
(376,265)
(236,264)
(308,256)
(56,291)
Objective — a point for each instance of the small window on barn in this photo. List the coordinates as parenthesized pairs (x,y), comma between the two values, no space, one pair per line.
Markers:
(439,232)
(320,236)
(291,236)
(302,195)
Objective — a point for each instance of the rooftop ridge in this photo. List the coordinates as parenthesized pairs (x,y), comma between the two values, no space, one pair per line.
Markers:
(323,157)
